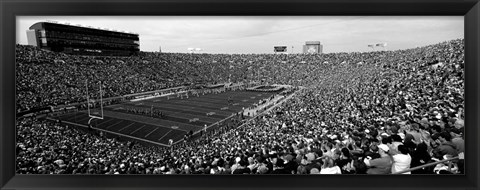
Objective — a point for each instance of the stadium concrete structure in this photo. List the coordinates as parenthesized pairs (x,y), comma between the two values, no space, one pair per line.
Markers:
(313,47)
(77,39)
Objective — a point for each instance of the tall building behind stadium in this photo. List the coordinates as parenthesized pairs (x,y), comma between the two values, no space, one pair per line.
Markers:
(313,47)
(77,39)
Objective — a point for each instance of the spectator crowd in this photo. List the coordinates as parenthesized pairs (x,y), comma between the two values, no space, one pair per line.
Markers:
(378,112)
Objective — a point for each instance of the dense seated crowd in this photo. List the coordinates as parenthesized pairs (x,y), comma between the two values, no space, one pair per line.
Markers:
(360,113)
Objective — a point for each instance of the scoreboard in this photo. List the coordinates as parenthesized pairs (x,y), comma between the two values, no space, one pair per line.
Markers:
(280,49)
(312,47)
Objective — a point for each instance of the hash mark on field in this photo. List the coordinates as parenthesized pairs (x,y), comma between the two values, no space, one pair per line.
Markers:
(126,126)
(165,135)
(151,132)
(137,129)
(114,124)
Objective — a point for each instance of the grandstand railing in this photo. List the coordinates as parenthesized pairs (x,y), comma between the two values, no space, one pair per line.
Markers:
(450,163)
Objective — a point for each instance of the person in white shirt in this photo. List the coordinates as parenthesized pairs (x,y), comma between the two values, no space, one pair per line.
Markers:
(402,160)
(382,165)
(329,167)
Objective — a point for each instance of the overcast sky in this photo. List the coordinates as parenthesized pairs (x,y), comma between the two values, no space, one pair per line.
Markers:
(254,34)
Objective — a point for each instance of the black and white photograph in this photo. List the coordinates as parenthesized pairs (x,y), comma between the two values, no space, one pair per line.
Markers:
(232,95)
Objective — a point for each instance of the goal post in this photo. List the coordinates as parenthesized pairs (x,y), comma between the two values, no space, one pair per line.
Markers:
(89,102)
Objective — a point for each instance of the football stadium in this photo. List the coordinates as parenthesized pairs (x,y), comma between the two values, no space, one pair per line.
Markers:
(90,102)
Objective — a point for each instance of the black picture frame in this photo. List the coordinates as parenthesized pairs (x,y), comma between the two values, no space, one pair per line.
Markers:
(9,9)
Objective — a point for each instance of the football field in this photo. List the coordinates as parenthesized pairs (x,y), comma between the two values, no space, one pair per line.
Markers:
(179,115)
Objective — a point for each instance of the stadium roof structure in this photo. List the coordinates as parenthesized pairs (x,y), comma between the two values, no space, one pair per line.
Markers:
(83,40)
(38,24)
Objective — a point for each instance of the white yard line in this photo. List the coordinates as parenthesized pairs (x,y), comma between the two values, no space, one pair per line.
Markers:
(164,135)
(104,121)
(114,124)
(137,129)
(151,132)
(126,126)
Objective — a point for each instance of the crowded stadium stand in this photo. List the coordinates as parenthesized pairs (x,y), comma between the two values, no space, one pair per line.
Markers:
(77,39)
(379,112)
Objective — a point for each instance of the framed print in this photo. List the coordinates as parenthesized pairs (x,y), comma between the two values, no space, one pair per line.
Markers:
(239,94)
